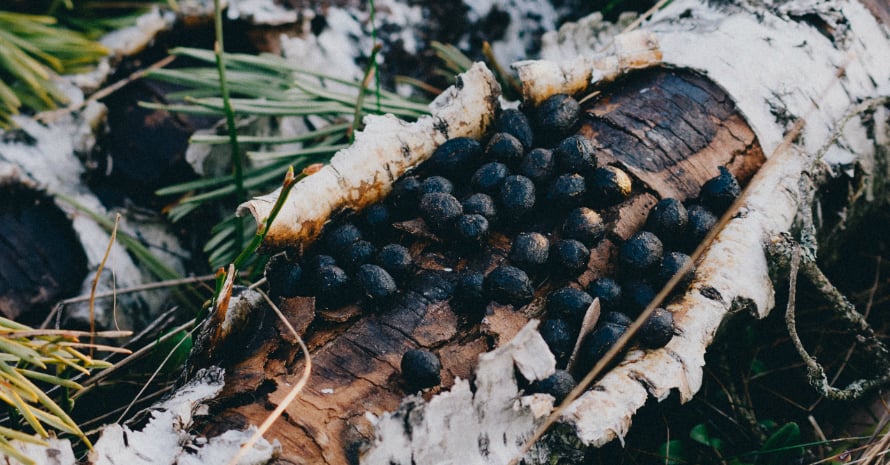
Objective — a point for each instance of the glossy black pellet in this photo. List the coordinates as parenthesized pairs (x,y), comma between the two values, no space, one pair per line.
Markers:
(489,177)
(657,330)
(575,155)
(568,303)
(668,220)
(640,254)
(567,191)
(584,225)
(315,262)
(515,123)
(509,285)
(516,197)
(530,250)
(609,185)
(440,210)
(455,156)
(560,337)
(569,256)
(556,117)
(395,259)
(505,148)
(538,166)
(719,192)
(608,291)
(420,370)
(558,385)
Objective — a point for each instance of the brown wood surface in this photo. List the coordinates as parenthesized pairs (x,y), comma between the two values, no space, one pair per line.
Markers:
(671,129)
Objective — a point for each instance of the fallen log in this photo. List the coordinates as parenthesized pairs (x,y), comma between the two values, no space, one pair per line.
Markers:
(699,86)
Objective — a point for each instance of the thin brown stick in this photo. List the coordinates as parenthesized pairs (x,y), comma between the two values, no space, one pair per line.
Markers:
(117,219)
(289,398)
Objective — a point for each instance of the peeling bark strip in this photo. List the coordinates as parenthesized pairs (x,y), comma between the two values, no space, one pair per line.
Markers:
(363,173)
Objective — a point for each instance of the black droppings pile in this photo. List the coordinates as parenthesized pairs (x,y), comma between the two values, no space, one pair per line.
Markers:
(514,219)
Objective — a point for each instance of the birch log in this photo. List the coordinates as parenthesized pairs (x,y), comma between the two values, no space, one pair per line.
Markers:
(766,66)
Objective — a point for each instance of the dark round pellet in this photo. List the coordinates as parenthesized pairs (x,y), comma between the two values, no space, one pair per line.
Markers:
(560,338)
(333,287)
(567,191)
(358,253)
(657,330)
(672,263)
(455,156)
(558,385)
(470,289)
(377,219)
(509,285)
(404,196)
(516,197)
(568,303)
(515,123)
(440,210)
(609,185)
(584,225)
(315,262)
(341,237)
(668,220)
(420,370)
(556,117)
(538,166)
(575,155)
(701,221)
(617,318)
(719,192)
(285,278)
(530,250)
(569,256)
(637,295)
(489,177)
(395,259)
(608,291)
(471,229)
(505,148)
(641,253)
(480,204)
(596,344)
(435,184)
(376,283)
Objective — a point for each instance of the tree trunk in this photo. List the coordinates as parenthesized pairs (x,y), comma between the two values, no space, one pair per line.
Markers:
(699,86)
